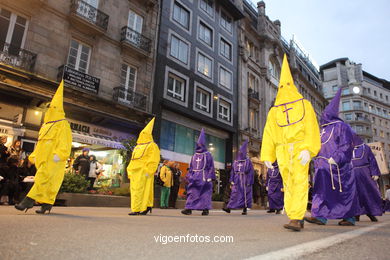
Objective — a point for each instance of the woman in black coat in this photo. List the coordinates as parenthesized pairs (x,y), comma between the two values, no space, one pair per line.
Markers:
(82,163)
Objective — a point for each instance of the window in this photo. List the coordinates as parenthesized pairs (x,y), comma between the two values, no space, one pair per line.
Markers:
(205,65)
(78,58)
(224,110)
(253,119)
(380,95)
(203,99)
(205,34)
(273,69)
(374,92)
(251,81)
(335,88)
(357,104)
(12,31)
(346,105)
(135,22)
(225,78)
(348,117)
(181,15)
(207,6)
(176,87)
(128,77)
(225,49)
(345,91)
(226,22)
(179,49)
(369,90)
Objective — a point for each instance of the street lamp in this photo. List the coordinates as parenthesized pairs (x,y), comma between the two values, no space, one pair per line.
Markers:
(356,90)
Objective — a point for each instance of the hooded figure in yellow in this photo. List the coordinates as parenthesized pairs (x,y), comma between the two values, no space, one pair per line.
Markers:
(141,169)
(292,137)
(50,155)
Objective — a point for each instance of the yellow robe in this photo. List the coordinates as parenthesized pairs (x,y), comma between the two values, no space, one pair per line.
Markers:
(291,127)
(141,169)
(55,138)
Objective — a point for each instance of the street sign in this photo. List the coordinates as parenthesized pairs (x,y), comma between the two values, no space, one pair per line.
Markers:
(377,149)
(77,79)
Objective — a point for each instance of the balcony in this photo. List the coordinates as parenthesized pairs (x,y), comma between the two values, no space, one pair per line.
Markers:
(135,41)
(358,120)
(130,98)
(17,57)
(88,18)
(253,95)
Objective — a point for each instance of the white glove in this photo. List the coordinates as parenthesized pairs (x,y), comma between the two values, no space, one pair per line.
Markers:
(375,178)
(268,164)
(56,158)
(232,183)
(1,178)
(266,188)
(208,180)
(331,161)
(304,156)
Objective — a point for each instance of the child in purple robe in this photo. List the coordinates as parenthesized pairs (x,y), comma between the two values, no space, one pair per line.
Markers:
(334,186)
(366,172)
(241,180)
(199,178)
(275,189)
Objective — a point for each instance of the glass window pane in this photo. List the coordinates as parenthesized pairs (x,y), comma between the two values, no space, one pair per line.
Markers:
(167,136)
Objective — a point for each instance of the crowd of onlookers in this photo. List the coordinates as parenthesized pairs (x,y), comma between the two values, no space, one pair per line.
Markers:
(15,172)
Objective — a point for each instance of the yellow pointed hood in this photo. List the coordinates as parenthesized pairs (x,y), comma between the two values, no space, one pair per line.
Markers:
(56,108)
(146,134)
(287,92)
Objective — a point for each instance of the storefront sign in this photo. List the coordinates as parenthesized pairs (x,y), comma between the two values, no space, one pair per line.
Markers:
(3,131)
(377,149)
(95,141)
(81,80)
(79,127)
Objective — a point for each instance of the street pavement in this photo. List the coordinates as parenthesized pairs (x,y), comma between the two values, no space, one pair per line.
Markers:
(109,233)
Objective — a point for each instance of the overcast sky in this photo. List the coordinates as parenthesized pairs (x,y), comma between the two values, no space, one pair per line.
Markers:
(357,29)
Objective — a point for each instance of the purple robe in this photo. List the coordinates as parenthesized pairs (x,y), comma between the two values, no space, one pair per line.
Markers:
(275,186)
(200,177)
(364,166)
(241,178)
(334,186)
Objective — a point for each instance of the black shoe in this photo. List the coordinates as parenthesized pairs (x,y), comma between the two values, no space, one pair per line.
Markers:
(271,211)
(346,223)
(278,211)
(357,218)
(133,213)
(186,212)
(226,210)
(148,209)
(44,208)
(372,218)
(205,212)
(314,220)
(244,211)
(26,204)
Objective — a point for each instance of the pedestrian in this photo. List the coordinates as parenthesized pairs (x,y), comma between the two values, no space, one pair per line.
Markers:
(334,186)
(200,177)
(95,168)
(256,188)
(241,179)
(166,177)
(275,189)
(17,151)
(263,190)
(82,163)
(386,206)
(50,156)
(10,183)
(4,153)
(366,173)
(291,136)
(28,171)
(176,185)
(140,171)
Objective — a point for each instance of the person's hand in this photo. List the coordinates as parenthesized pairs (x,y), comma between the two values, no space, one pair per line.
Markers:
(282,190)
(232,183)
(375,178)
(304,156)
(268,165)
(331,161)
(208,180)
(56,158)
(1,178)
(266,188)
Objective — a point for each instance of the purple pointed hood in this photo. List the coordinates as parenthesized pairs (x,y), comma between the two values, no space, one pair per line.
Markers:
(201,143)
(331,111)
(243,150)
(356,139)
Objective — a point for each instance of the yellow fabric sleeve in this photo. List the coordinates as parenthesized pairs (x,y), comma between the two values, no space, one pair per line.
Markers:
(268,145)
(312,141)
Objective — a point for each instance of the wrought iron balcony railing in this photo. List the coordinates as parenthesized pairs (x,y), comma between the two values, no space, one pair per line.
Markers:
(135,38)
(130,98)
(90,13)
(17,57)
(253,94)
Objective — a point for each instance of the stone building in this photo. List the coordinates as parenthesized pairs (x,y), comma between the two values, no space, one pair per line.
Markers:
(104,50)
(261,53)
(364,102)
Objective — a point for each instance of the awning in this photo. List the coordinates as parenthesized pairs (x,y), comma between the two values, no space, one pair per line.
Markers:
(95,140)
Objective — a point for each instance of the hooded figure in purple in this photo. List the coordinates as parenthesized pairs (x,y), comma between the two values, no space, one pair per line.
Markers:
(334,186)
(241,179)
(200,177)
(275,189)
(366,172)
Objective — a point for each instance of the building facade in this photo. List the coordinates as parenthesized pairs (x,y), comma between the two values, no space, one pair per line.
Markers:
(104,51)
(364,102)
(196,79)
(261,53)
